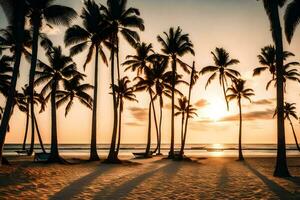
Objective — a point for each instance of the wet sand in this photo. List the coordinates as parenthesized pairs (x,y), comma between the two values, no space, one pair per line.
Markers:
(155,178)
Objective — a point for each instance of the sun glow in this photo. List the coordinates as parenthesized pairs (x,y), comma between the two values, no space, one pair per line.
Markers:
(216,110)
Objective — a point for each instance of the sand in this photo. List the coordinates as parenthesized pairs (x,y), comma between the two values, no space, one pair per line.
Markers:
(155,178)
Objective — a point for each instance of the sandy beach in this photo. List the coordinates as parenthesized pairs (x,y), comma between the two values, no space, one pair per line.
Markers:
(155,178)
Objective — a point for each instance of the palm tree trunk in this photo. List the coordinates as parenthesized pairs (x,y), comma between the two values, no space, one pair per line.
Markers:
(35,40)
(120,127)
(281,169)
(18,30)
(93,151)
(54,155)
(182,124)
(241,157)
(155,121)
(171,153)
(118,61)
(26,128)
(188,112)
(160,124)
(295,137)
(39,135)
(111,156)
(224,91)
(147,153)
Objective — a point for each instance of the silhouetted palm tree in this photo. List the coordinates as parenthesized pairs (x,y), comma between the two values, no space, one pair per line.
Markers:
(143,59)
(92,35)
(182,109)
(291,18)
(24,99)
(239,91)
(15,11)
(175,45)
(5,74)
(193,80)
(124,92)
(121,19)
(60,68)
(39,10)
(290,111)
(272,11)
(221,69)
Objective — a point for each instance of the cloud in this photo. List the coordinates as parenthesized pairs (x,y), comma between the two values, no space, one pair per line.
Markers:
(201,103)
(250,116)
(133,124)
(263,102)
(139,113)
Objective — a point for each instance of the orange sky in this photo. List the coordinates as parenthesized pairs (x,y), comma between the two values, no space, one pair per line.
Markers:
(240,26)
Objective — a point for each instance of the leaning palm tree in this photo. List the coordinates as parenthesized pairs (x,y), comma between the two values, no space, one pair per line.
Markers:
(122,20)
(15,11)
(272,11)
(221,69)
(60,68)
(143,59)
(39,10)
(124,92)
(290,111)
(238,91)
(182,109)
(291,19)
(24,99)
(175,45)
(92,35)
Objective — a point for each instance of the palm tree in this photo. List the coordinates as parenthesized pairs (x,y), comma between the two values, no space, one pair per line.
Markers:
(124,92)
(291,19)
(175,45)
(60,68)
(239,91)
(24,99)
(92,35)
(222,69)
(193,80)
(290,111)
(143,59)
(121,19)
(39,10)
(182,109)
(272,11)
(5,74)
(15,11)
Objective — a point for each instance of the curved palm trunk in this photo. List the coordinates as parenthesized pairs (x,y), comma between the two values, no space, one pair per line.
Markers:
(188,112)
(241,157)
(54,155)
(93,150)
(155,121)
(147,153)
(224,92)
(295,137)
(120,128)
(19,23)
(111,157)
(35,39)
(26,128)
(160,124)
(171,153)
(281,169)
(39,135)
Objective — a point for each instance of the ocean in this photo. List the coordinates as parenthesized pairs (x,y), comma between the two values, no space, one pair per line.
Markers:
(191,149)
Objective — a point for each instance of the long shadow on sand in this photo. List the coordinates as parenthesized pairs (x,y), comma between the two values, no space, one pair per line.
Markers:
(223,179)
(78,186)
(281,192)
(128,186)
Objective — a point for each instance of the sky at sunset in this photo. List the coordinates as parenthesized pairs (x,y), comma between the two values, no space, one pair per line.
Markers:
(240,26)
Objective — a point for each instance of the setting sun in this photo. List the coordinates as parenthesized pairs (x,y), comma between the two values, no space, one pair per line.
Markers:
(216,110)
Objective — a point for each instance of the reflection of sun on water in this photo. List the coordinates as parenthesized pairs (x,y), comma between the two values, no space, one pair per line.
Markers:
(218,150)
(216,110)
